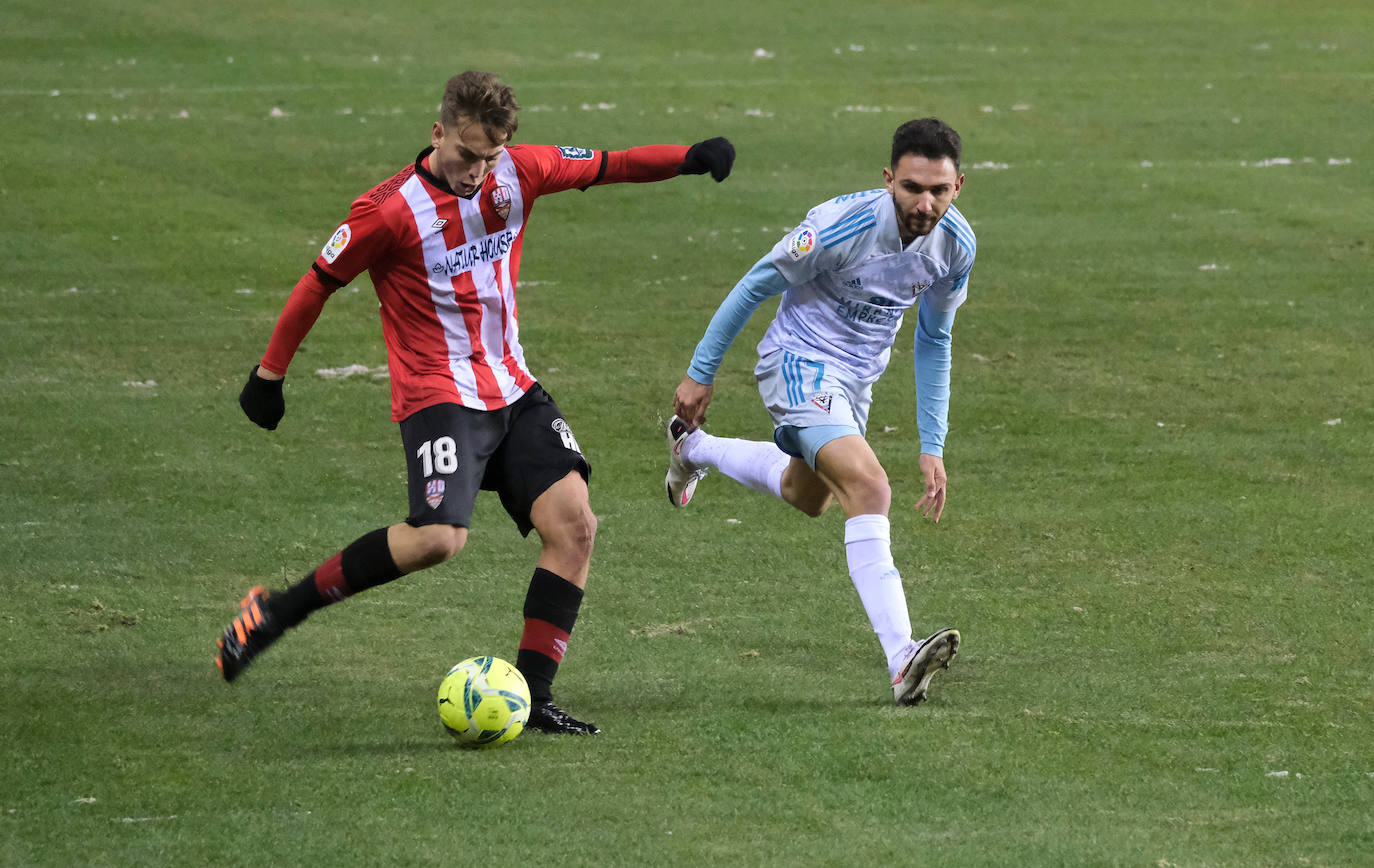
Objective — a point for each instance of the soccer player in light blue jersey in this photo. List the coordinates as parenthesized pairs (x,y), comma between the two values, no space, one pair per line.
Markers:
(847,276)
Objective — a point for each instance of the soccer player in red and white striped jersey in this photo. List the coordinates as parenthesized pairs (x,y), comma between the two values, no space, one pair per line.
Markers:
(441,241)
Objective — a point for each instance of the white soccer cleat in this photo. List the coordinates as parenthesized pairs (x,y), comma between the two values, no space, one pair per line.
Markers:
(928,657)
(682,478)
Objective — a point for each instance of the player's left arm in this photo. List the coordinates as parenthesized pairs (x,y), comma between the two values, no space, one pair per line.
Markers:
(932,360)
(547,169)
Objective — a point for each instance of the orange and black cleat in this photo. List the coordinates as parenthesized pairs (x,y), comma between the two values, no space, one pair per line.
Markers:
(251,633)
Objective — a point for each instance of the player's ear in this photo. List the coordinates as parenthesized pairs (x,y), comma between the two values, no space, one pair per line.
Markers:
(958,185)
(436,134)
(888,178)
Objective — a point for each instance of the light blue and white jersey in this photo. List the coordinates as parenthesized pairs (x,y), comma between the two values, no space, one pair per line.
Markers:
(850,281)
(846,282)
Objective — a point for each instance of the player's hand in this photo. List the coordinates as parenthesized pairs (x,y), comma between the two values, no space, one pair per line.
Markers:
(713,155)
(690,401)
(262,401)
(933,502)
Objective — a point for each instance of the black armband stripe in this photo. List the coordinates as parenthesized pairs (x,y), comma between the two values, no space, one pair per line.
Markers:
(600,173)
(327,277)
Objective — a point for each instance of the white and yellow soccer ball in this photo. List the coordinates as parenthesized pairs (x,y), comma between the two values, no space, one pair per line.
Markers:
(483,702)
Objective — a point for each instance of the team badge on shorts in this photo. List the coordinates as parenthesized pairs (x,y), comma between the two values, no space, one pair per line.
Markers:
(800,244)
(566,434)
(434,493)
(822,400)
(500,200)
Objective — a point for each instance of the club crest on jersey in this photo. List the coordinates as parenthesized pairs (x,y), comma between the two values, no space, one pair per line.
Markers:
(918,288)
(575,153)
(800,244)
(500,201)
(336,244)
(434,493)
(822,400)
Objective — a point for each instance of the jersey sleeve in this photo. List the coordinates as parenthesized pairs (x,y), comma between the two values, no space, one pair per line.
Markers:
(761,283)
(545,169)
(358,242)
(932,360)
(302,309)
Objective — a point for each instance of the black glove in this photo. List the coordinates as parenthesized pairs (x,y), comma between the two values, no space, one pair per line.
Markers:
(262,400)
(713,155)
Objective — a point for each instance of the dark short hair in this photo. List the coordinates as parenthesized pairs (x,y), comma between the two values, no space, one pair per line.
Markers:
(931,138)
(482,97)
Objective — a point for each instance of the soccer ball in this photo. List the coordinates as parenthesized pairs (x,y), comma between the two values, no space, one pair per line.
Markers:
(483,702)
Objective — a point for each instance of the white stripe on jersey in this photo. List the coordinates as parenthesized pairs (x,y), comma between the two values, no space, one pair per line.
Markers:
(441,288)
(488,320)
(515,223)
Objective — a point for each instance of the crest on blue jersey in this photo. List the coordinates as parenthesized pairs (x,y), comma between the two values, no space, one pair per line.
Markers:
(575,153)
(822,400)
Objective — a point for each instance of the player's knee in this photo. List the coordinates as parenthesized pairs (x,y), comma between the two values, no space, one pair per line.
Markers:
(439,542)
(579,533)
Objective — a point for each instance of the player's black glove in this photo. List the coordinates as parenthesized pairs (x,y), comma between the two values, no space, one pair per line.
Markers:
(713,155)
(262,401)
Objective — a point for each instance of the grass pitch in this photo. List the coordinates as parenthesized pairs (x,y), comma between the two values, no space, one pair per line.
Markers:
(1157,543)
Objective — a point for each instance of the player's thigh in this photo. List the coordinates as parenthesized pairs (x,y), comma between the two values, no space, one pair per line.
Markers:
(539,451)
(447,449)
(851,469)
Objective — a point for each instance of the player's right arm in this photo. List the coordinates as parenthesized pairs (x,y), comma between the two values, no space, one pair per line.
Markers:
(350,250)
(761,283)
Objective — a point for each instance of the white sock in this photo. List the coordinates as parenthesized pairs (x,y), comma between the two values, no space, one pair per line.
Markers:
(755,463)
(867,543)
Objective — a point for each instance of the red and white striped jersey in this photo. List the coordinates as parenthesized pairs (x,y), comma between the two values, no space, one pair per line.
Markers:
(445,270)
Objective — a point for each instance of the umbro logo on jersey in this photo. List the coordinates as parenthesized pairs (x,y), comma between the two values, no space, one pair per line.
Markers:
(500,200)
(822,400)
(439,223)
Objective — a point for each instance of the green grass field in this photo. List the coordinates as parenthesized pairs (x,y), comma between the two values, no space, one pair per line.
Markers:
(1158,539)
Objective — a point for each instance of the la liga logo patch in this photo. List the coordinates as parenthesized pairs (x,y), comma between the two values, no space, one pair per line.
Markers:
(336,244)
(801,244)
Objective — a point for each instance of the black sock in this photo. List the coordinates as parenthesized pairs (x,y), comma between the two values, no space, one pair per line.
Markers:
(365,563)
(550,611)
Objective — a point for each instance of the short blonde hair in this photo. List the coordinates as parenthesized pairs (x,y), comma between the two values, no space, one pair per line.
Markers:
(482,97)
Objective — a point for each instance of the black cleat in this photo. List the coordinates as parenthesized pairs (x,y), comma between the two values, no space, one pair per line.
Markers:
(547,717)
(251,633)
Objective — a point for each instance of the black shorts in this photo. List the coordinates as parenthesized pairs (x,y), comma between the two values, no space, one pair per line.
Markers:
(518,451)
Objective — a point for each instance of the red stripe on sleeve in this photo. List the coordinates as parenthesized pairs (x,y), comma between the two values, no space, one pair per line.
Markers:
(299,315)
(644,163)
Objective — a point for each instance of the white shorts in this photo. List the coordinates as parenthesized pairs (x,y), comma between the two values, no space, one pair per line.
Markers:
(802,394)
